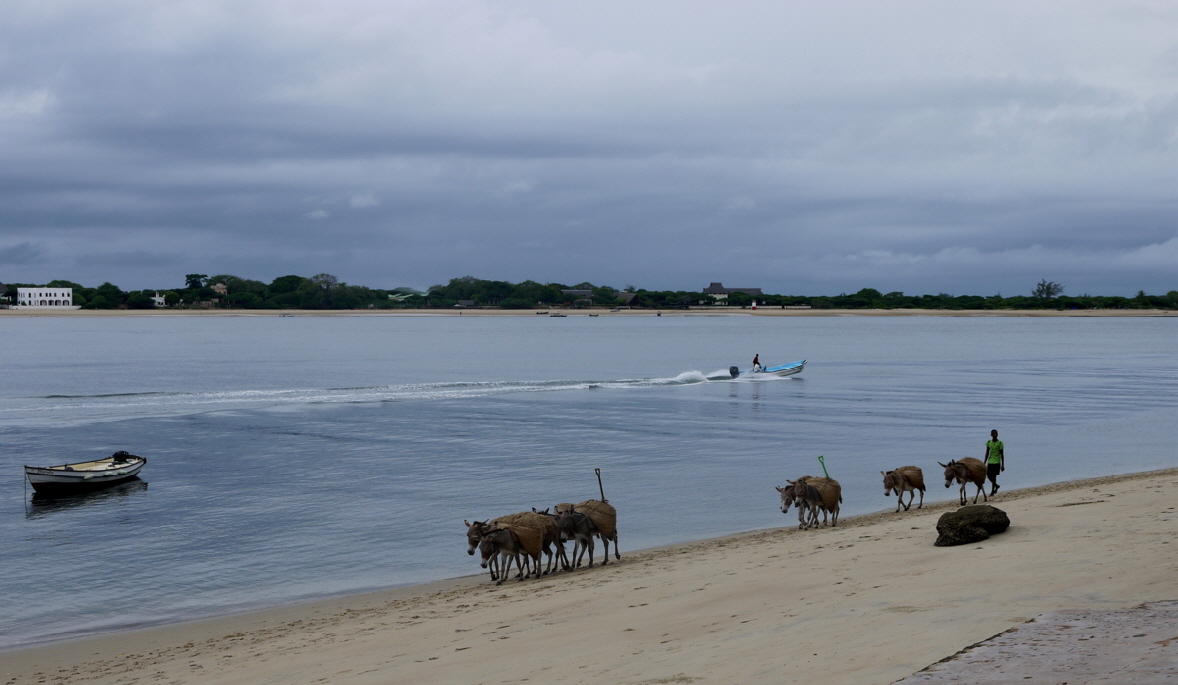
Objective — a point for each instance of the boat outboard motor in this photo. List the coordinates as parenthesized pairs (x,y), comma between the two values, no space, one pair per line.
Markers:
(120,456)
(734,371)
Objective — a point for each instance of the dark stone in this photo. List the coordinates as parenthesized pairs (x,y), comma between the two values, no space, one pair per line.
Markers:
(972,523)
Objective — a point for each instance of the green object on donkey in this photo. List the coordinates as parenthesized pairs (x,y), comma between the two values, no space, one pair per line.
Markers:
(822,460)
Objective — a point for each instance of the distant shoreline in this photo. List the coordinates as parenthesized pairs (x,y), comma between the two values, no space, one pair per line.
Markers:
(701,311)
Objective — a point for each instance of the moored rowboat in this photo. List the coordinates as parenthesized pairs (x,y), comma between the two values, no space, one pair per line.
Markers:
(85,475)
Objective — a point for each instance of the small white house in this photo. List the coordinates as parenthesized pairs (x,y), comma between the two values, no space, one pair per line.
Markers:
(158,300)
(45,298)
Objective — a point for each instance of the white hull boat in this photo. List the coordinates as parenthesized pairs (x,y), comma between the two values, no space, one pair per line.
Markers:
(780,371)
(85,475)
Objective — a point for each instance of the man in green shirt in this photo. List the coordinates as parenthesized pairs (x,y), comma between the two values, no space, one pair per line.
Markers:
(995,460)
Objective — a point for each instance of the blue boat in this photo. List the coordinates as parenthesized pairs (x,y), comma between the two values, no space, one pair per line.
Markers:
(779,371)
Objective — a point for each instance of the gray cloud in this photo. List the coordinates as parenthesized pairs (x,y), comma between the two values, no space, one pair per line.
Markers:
(804,148)
(22,254)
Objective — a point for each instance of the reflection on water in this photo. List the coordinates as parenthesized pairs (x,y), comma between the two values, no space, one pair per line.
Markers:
(42,504)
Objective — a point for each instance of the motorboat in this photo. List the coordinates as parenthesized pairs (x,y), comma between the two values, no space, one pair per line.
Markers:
(780,371)
(85,475)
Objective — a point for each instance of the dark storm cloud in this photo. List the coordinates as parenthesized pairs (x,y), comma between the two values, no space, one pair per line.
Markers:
(797,147)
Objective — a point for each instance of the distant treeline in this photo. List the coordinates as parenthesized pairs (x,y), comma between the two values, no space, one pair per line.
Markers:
(324,291)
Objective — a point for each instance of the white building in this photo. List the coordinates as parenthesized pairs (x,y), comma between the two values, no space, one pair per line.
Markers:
(159,300)
(45,297)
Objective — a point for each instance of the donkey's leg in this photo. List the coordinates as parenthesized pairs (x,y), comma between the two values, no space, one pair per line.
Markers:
(617,554)
(921,505)
(579,550)
(605,543)
(505,560)
(910,496)
(564,557)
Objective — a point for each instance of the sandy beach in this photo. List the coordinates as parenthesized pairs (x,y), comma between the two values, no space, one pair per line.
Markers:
(871,601)
(695,311)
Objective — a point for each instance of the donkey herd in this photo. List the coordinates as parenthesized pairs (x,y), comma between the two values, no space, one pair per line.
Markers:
(823,495)
(520,539)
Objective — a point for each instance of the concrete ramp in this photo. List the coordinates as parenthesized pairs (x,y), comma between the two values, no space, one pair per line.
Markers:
(1078,647)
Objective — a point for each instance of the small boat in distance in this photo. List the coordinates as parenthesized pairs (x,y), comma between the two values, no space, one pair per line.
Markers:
(558,315)
(779,371)
(85,475)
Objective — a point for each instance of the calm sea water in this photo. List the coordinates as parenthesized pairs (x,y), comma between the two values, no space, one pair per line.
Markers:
(299,457)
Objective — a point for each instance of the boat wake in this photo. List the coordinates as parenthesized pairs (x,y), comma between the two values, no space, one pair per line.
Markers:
(68,409)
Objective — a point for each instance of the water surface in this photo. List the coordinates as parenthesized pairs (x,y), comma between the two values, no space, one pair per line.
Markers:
(299,457)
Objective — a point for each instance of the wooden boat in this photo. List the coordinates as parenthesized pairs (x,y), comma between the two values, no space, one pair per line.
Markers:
(85,475)
(780,371)
(558,315)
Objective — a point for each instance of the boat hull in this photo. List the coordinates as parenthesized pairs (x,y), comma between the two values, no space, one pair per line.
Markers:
(786,369)
(57,480)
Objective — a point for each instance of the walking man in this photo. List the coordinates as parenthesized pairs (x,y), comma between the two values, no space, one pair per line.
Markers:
(995,460)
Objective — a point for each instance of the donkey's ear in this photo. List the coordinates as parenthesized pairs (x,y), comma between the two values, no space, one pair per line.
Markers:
(882,473)
(467,523)
(944,466)
(778,489)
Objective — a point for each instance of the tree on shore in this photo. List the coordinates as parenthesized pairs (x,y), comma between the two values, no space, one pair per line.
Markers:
(1047,290)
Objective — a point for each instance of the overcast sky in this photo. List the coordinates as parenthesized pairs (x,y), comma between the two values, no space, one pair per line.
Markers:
(800,147)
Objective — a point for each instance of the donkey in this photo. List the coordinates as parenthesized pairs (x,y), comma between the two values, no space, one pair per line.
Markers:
(579,528)
(809,501)
(787,500)
(830,497)
(552,534)
(906,479)
(504,544)
(604,519)
(967,470)
(474,535)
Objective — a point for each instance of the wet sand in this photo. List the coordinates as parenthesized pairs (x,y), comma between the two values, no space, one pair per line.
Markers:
(871,601)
